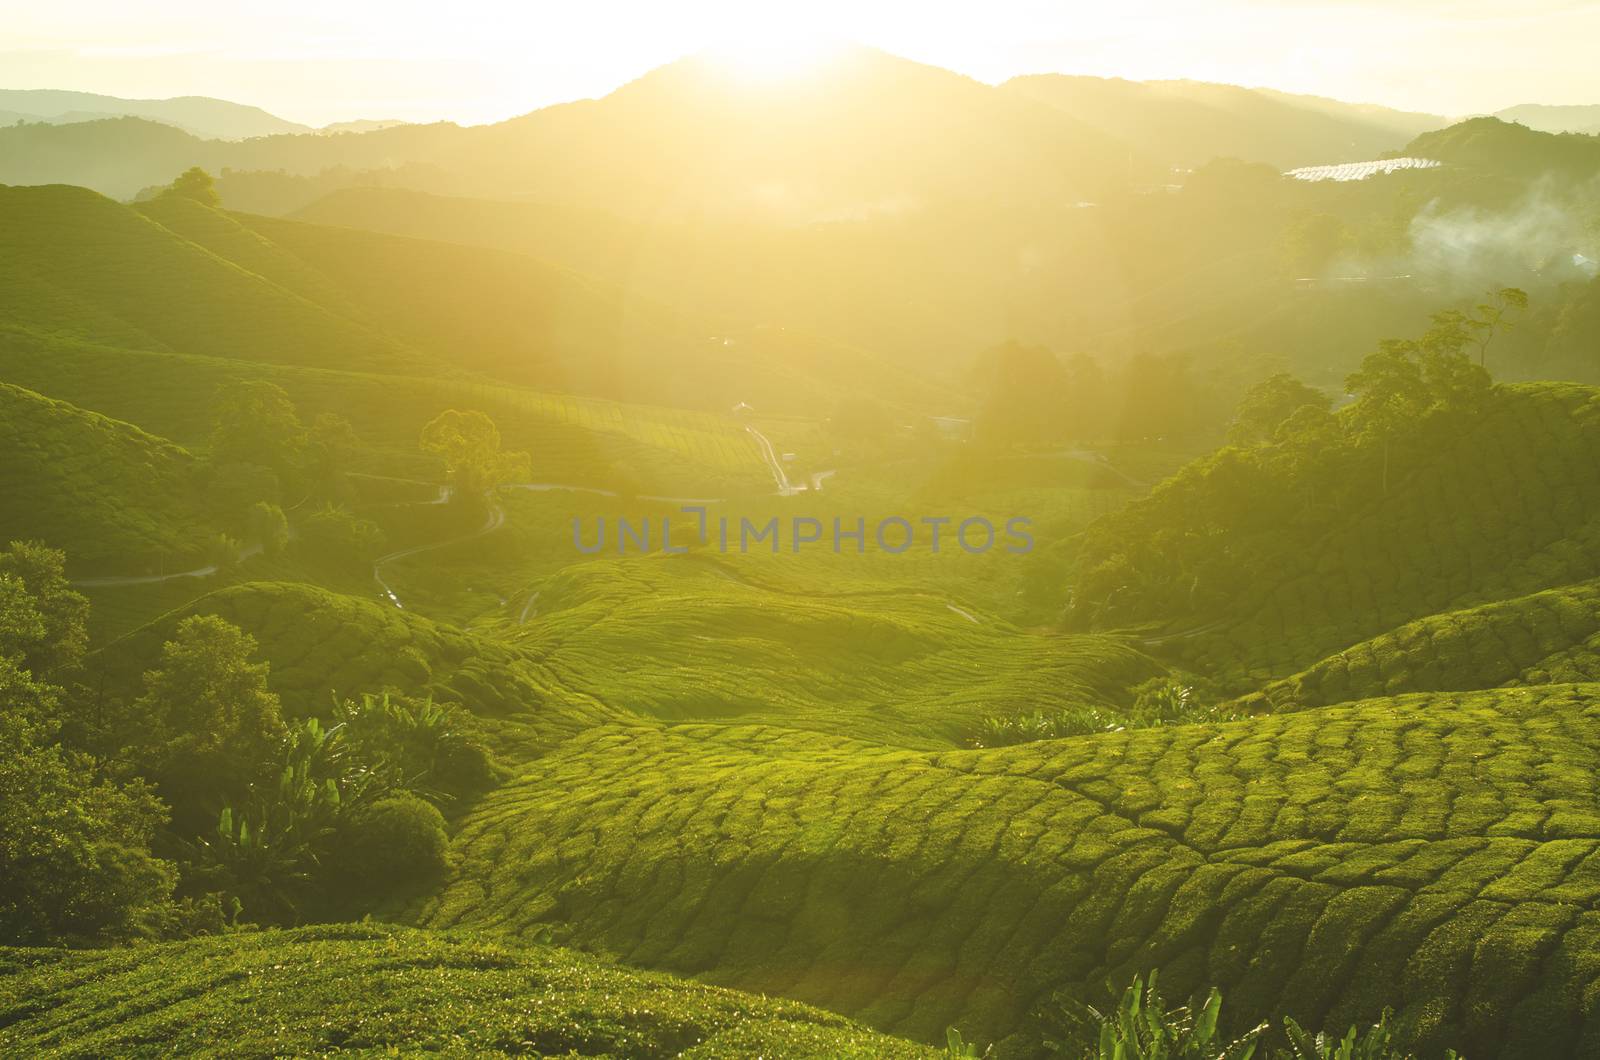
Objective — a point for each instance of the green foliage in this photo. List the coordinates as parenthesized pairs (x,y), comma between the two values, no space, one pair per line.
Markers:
(55,645)
(206,720)
(104,491)
(1004,730)
(269,527)
(469,445)
(391,845)
(255,422)
(195,183)
(310,991)
(958,1048)
(1376,1042)
(1142,1027)
(333,534)
(1261,562)
(1423,852)
(415,744)
(1269,405)
(74,844)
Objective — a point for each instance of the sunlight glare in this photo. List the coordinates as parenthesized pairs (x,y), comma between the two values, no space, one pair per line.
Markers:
(772,49)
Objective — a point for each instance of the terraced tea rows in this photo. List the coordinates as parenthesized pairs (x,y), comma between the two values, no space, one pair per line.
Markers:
(579,441)
(673,638)
(100,488)
(379,991)
(322,644)
(1545,638)
(1436,853)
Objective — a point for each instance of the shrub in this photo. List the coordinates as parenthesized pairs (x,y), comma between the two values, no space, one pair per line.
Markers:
(415,744)
(1004,730)
(335,535)
(392,843)
(1142,1027)
(270,527)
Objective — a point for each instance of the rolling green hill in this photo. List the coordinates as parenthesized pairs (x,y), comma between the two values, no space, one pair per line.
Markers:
(322,644)
(677,638)
(1512,150)
(175,275)
(86,267)
(371,990)
(1550,636)
(1262,576)
(1434,853)
(104,490)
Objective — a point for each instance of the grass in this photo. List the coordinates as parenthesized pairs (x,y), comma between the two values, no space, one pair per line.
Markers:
(374,990)
(1433,853)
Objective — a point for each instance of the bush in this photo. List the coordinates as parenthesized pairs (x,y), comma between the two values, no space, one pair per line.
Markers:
(1142,1027)
(335,535)
(74,850)
(270,527)
(395,842)
(1005,730)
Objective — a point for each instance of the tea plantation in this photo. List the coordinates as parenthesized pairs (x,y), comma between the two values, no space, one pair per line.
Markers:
(1439,854)
(370,990)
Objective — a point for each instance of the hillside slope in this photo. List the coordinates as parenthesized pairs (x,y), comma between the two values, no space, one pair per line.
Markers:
(1258,573)
(200,115)
(371,990)
(1433,853)
(1189,123)
(103,490)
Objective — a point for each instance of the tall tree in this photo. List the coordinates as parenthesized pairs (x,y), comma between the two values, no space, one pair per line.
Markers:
(207,720)
(1269,404)
(469,445)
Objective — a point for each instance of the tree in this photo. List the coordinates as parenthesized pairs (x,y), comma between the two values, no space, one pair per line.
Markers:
(1495,316)
(335,534)
(63,613)
(1391,395)
(74,847)
(1023,389)
(208,720)
(270,527)
(329,445)
(194,183)
(1314,242)
(254,422)
(1268,405)
(469,445)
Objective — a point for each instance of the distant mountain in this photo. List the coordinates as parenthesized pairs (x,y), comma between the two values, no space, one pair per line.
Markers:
(1188,123)
(1573,119)
(212,119)
(873,134)
(175,276)
(361,126)
(1511,150)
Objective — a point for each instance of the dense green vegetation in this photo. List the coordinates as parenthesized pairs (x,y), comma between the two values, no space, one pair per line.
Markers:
(104,489)
(326,729)
(318,990)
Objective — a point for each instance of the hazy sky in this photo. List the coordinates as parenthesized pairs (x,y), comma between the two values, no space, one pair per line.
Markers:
(469,60)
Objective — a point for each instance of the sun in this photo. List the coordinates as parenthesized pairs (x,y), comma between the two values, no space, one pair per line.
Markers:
(772,49)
